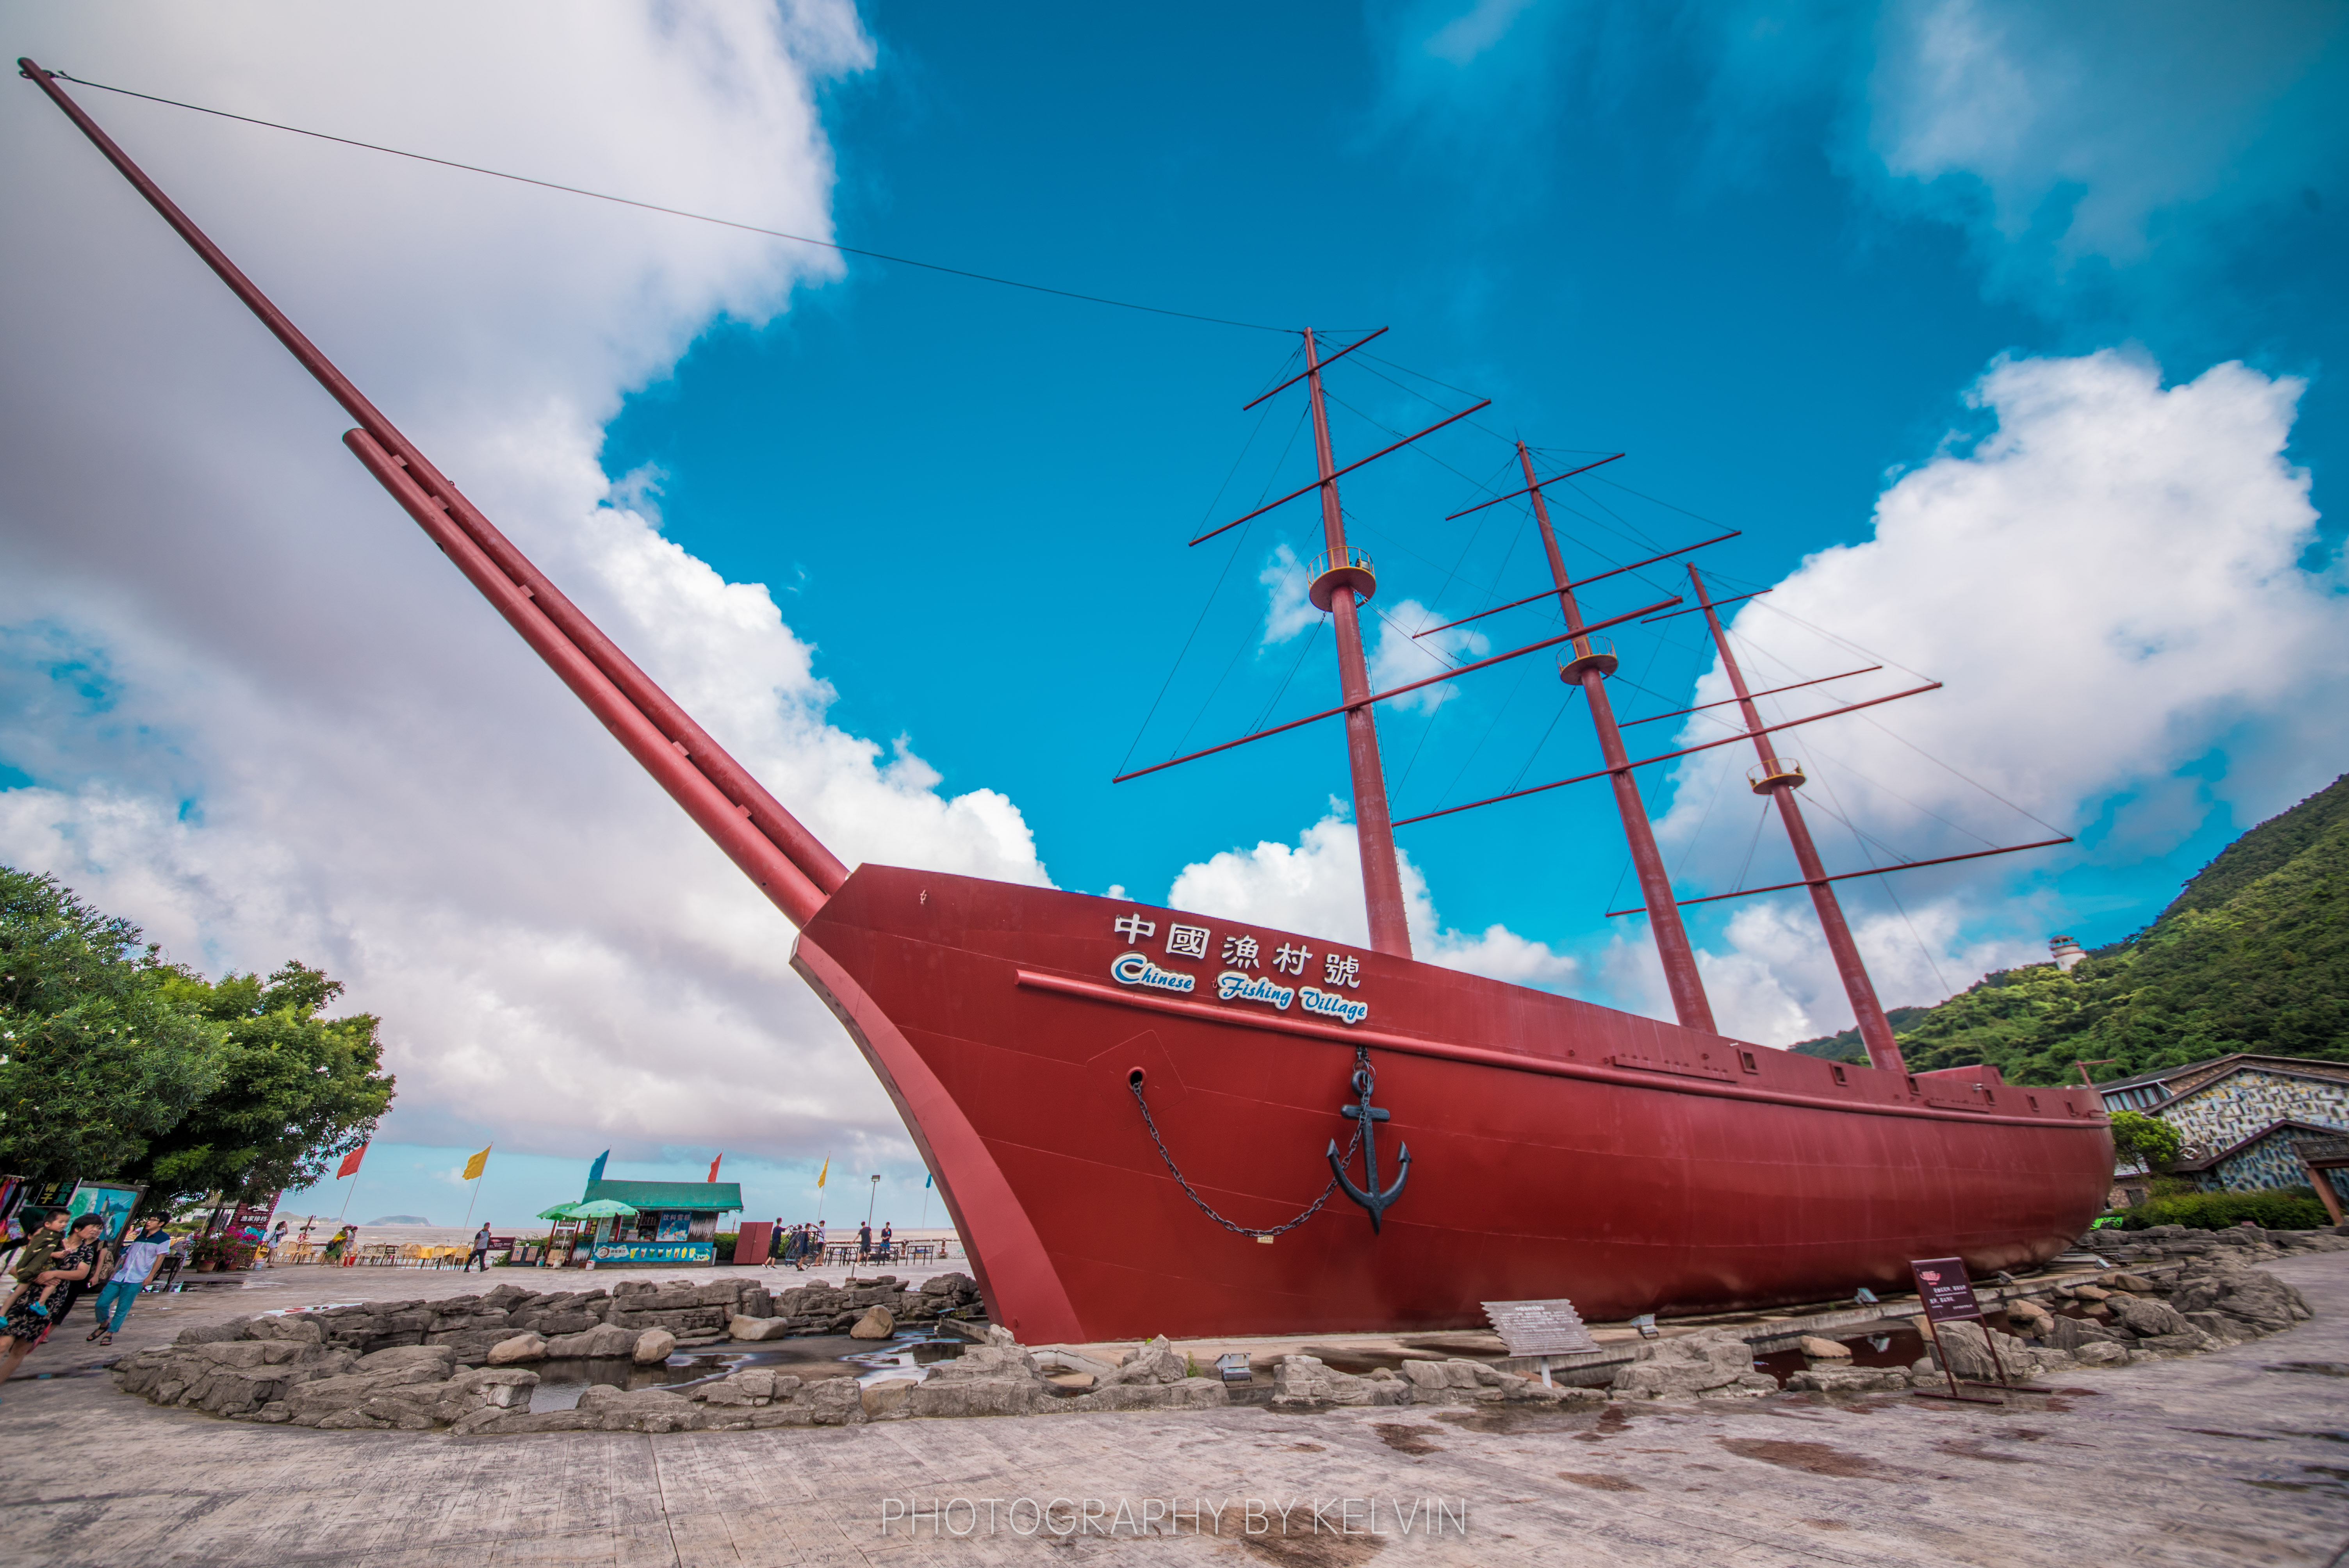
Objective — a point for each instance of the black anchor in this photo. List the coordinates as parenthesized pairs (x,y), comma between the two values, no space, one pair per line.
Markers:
(1369,1116)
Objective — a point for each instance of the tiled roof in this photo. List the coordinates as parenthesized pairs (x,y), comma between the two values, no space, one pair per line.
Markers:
(2185,1080)
(718,1195)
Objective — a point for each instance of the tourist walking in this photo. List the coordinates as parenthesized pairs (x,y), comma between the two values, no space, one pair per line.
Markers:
(888,1241)
(45,1290)
(141,1251)
(779,1241)
(865,1241)
(480,1253)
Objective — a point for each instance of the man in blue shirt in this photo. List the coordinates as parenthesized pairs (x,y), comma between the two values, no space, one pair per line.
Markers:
(141,1249)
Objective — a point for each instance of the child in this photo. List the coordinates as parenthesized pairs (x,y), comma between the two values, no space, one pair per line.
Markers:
(38,1302)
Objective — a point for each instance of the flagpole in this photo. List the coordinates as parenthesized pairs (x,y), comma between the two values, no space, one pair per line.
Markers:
(469,1201)
(346,1197)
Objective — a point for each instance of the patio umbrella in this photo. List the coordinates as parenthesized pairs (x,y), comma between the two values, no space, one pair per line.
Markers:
(559,1212)
(601,1209)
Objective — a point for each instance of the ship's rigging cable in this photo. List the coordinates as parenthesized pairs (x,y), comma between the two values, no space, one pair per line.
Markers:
(1914,934)
(1531,757)
(1766,656)
(1362,1066)
(677,212)
(1911,744)
(1294,431)
(1208,604)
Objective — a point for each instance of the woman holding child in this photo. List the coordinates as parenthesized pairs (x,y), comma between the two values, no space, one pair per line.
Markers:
(55,1260)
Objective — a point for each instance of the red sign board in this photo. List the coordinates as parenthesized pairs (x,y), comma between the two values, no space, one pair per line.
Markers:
(1942,1286)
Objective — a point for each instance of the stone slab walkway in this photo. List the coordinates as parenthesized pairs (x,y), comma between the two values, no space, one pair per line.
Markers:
(2235,1458)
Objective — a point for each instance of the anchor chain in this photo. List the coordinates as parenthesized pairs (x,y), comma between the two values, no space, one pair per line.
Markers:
(1361,1065)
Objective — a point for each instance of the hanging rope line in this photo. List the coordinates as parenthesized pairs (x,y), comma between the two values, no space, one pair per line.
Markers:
(677,212)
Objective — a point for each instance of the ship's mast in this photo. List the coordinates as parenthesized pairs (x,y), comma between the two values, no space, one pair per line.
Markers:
(1779,777)
(1589,669)
(1338,577)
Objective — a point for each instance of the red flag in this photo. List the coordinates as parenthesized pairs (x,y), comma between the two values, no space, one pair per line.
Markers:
(351,1162)
(713,1168)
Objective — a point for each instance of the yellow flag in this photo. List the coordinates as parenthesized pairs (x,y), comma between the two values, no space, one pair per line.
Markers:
(474,1166)
(825,1171)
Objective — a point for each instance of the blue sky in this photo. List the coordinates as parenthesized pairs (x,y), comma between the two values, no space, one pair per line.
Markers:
(1924,298)
(1623,239)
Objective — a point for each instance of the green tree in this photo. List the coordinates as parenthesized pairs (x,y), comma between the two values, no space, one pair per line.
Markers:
(116,1064)
(2140,1140)
(295,1089)
(95,1059)
(2252,955)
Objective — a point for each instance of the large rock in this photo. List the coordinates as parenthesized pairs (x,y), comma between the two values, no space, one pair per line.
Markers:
(1839,1378)
(964,1397)
(994,1379)
(1814,1349)
(1966,1347)
(887,1399)
(2148,1319)
(604,1341)
(438,1361)
(639,1410)
(757,1328)
(1715,1361)
(653,1347)
(2257,1302)
(1183,1394)
(878,1323)
(519,1348)
(1306,1382)
(1154,1363)
(2068,1333)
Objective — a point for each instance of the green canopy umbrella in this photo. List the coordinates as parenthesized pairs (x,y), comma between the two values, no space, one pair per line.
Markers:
(601,1209)
(559,1212)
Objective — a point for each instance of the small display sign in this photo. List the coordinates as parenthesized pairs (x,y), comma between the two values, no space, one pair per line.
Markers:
(655,1252)
(1539,1328)
(1942,1286)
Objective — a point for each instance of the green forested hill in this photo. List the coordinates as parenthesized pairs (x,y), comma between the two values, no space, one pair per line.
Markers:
(2252,955)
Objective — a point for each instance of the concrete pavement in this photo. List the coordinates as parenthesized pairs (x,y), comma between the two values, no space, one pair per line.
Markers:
(2235,1458)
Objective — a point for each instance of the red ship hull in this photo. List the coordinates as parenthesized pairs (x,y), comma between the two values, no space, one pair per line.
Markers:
(1559,1148)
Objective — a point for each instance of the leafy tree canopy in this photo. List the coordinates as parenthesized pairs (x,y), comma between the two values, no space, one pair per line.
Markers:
(116,1064)
(2253,955)
(2140,1140)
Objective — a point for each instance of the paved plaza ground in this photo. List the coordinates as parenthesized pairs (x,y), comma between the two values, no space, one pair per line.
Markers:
(2235,1458)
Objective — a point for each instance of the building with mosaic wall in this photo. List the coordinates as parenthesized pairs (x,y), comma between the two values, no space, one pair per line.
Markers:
(2240,1115)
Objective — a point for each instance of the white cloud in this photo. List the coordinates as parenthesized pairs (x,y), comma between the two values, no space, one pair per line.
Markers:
(1397,658)
(1315,887)
(1474,30)
(2090,121)
(1286,609)
(262,714)
(2109,585)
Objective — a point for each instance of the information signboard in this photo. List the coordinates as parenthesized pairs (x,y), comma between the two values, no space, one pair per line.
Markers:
(1539,1328)
(1942,1286)
(655,1252)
